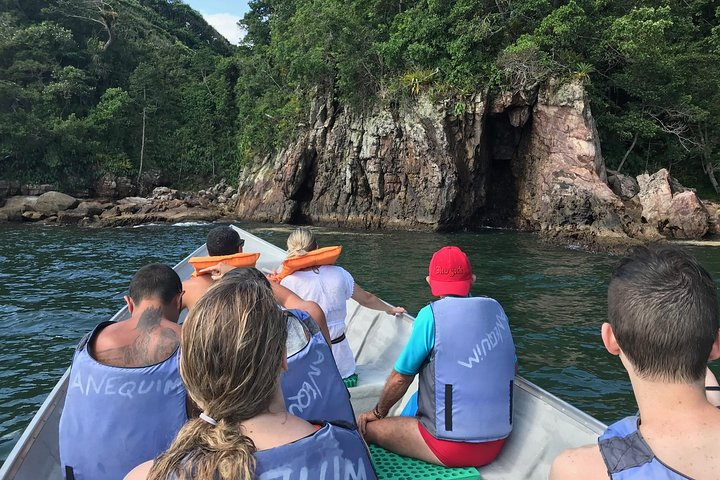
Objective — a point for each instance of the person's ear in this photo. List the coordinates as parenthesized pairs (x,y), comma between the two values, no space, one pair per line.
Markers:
(474,277)
(609,340)
(427,279)
(129,303)
(715,350)
(178,300)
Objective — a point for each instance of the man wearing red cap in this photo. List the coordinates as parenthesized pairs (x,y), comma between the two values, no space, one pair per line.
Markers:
(463,350)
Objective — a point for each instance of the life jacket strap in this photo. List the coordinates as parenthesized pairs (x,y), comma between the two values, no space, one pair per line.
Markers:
(337,340)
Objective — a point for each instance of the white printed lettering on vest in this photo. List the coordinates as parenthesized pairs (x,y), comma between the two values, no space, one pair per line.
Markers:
(309,390)
(487,344)
(108,385)
(337,470)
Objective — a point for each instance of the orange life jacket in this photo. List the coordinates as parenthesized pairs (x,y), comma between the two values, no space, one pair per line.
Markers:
(315,258)
(236,260)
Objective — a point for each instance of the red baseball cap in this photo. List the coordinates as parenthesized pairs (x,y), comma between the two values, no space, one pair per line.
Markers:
(450,273)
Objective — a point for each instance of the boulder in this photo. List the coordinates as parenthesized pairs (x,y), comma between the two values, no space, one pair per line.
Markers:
(15,206)
(110,212)
(687,217)
(89,209)
(70,217)
(52,202)
(32,216)
(655,196)
(624,186)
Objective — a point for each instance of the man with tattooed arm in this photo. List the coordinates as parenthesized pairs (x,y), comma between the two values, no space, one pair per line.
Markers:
(125,399)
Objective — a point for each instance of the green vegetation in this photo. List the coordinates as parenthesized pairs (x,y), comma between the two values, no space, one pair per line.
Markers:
(80,78)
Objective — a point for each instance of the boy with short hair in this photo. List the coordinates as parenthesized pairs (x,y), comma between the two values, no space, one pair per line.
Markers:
(663,324)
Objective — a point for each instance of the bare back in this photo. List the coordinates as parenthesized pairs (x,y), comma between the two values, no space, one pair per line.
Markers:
(150,340)
(195,287)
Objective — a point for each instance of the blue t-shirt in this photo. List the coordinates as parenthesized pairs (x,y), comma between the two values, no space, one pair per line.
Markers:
(419,345)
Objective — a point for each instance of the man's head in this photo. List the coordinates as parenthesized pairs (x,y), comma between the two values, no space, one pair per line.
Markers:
(247,274)
(450,273)
(155,282)
(663,315)
(224,241)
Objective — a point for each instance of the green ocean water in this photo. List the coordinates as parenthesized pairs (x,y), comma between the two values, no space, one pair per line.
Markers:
(57,283)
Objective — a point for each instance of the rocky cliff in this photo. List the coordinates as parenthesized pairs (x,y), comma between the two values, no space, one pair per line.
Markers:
(528,160)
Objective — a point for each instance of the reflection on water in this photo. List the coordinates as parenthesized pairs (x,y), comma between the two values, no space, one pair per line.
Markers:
(57,283)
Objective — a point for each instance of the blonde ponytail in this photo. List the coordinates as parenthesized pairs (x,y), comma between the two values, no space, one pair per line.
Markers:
(232,350)
(300,242)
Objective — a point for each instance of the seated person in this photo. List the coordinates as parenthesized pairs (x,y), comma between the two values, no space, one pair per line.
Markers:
(225,240)
(331,287)
(663,325)
(125,401)
(233,354)
(221,241)
(464,352)
(312,386)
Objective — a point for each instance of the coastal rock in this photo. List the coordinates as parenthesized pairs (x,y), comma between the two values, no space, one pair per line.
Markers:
(113,186)
(678,214)
(687,217)
(655,196)
(52,202)
(624,186)
(88,209)
(561,180)
(35,190)
(528,160)
(70,217)
(14,207)
(32,216)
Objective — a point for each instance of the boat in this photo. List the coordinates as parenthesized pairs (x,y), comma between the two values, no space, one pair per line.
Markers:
(543,425)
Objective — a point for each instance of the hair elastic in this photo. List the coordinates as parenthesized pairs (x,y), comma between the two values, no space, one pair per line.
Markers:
(208,419)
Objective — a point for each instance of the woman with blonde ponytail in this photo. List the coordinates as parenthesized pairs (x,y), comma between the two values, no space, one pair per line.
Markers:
(232,356)
(330,286)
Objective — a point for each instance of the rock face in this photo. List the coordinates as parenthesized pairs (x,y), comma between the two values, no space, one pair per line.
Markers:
(417,166)
(528,159)
(561,181)
(51,203)
(675,211)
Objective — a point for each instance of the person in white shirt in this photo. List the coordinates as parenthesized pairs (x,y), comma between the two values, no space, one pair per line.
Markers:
(330,286)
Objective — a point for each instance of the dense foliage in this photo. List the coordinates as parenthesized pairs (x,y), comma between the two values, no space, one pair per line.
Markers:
(77,77)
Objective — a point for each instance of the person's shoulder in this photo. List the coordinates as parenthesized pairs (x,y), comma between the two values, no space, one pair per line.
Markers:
(583,462)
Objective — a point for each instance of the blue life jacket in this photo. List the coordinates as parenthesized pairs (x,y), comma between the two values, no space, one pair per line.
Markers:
(116,418)
(332,453)
(627,455)
(466,387)
(312,385)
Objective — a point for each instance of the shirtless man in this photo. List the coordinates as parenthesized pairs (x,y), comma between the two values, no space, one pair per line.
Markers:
(663,325)
(125,400)
(226,241)
(221,241)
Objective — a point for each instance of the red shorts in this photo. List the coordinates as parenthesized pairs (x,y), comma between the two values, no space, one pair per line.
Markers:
(462,454)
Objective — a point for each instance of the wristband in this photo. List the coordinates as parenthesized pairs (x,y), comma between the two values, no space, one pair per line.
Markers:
(376,412)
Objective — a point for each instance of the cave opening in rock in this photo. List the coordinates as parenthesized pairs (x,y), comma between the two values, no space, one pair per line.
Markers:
(303,197)
(503,142)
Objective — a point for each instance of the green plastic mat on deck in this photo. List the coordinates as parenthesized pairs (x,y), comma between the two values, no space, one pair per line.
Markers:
(390,466)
